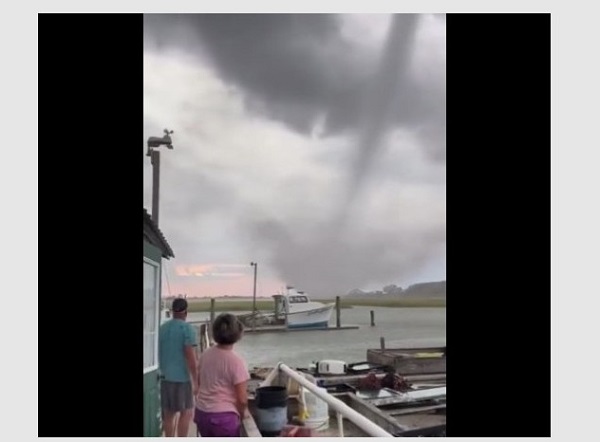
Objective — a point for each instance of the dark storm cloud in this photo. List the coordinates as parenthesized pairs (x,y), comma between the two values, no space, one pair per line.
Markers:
(295,69)
(299,66)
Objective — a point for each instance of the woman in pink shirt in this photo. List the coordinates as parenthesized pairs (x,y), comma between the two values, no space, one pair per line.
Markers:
(223,378)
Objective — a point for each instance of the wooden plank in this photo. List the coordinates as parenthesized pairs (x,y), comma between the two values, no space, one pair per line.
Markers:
(371,412)
(336,379)
(326,380)
(249,427)
(404,363)
(408,351)
(283,329)
(417,410)
(429,431)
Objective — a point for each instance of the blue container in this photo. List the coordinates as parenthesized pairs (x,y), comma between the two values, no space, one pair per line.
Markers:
(271,411)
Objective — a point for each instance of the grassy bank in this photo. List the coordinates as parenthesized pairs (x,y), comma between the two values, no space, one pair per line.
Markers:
(398,303)
(203,305)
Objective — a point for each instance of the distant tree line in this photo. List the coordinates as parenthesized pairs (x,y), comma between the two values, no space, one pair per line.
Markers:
(426,289)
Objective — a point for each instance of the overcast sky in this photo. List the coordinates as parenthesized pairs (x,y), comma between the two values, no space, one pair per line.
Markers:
(312,144)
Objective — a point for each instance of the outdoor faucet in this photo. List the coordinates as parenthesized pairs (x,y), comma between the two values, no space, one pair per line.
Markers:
(157,142)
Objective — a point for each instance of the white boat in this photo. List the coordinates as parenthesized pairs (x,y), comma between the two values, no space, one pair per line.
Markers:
(300,311)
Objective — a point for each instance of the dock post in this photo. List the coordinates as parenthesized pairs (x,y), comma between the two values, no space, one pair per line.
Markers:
(382,343)
(198,348)
(372,318)
(212,311)
(201,332)
(338,319)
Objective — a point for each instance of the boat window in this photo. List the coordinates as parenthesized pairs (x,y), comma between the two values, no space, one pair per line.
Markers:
(298,299)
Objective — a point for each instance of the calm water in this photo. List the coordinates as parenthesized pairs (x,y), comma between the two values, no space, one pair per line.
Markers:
(401,327)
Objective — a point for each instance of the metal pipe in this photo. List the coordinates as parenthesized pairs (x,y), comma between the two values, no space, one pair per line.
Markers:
(340,422)
(254,290)
(352,415)
(155,160)
(153,144)
(270,377)
(255,265)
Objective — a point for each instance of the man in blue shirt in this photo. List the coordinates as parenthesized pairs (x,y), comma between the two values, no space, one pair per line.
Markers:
(178,367)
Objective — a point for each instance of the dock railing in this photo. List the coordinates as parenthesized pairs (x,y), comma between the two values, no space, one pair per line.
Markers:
(342,410)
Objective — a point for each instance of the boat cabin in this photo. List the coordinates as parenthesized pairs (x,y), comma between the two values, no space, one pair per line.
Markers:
(282,307)
(297,310)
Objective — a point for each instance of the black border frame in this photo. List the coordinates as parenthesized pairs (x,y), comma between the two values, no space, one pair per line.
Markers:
(498,224)
(91,183)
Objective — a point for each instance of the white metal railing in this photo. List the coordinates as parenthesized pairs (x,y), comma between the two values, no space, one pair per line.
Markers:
(340,407)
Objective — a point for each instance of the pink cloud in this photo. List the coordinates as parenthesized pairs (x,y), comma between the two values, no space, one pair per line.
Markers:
(211,270)
(223,285)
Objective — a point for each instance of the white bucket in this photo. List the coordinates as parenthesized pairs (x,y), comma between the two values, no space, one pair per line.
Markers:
(318,411)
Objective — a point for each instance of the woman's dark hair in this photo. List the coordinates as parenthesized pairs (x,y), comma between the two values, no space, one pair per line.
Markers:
(227,329)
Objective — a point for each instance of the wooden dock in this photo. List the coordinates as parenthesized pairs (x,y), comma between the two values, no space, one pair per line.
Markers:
(284,329)
(259,374)
(408,361)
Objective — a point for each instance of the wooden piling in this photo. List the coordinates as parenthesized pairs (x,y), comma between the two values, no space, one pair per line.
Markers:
(382,343)
(198,348)
(204,344)
(372,318)
(338,307)
(212,311)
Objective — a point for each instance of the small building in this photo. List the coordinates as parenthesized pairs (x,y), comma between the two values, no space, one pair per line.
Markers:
(155,249)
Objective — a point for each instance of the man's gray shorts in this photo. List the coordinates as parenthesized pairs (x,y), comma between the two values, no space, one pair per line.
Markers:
(176,396)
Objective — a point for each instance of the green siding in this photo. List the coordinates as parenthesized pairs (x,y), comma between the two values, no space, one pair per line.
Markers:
(152,411)
(152,252)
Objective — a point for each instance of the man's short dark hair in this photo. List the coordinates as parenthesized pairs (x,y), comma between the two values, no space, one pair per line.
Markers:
(179,305)
(227,329)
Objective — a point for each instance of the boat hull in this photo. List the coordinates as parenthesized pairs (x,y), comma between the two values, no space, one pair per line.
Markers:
(323,324)
(315,318)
